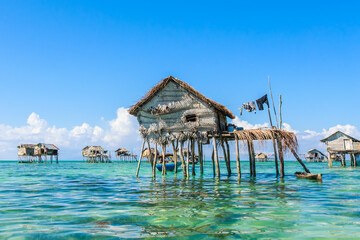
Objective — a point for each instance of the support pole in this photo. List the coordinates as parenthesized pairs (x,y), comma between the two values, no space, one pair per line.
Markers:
(280,103)
(155,160)
(355,162)
(216,157)
(163,147)
(187,158)
(150,155)
(253,158)
(200,157)
(225,156)
(250,158)
(276,158)
(174,155)
(281,158)
(237,156)
(193,156)
(182,158)
(272,99)
(138,167)
(228,155)
(329,160)
(213,162)
(343,163)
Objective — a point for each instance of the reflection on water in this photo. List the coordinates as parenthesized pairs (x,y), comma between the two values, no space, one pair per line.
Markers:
(82,201)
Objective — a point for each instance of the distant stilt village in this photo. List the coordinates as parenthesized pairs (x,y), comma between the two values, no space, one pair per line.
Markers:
(175,116)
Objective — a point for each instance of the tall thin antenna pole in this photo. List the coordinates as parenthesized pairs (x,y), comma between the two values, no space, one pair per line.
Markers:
(272,99)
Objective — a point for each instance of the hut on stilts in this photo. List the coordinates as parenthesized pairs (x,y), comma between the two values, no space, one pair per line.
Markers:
(342,144)
(174,114)
(123,154)
(96,154)
(40,153)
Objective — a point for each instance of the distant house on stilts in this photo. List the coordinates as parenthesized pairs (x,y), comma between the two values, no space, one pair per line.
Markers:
(31,153)
(124,154)
(341,144)
(96,154)
(314,155)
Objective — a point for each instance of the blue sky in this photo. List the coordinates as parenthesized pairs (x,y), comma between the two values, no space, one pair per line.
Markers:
(75,62)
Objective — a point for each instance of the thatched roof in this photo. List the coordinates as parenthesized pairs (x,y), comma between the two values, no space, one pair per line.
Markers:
(289,139)
(134,109)
(122,150)
(261,155)
(96,148)
(26,145)
(146,153)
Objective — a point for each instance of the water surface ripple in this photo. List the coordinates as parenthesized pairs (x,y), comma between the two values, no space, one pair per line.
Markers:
(75,200)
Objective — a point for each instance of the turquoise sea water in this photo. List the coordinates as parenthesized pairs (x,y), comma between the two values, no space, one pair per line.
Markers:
(75,200)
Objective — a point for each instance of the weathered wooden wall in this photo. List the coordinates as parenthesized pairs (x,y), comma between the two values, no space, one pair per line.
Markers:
(337,143)
(178,103)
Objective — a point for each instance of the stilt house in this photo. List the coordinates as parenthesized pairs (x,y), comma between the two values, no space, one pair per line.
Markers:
(261,157)
(173,108)
(173,114)
(314,155)
(342,144)
(95,154)
(124,154)
(26,153)
(38,153)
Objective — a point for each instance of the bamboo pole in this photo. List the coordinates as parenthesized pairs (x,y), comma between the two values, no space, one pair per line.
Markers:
(193,156)
(225,156)
(250,158)
(174,155)
(213,162)
(228,155)
(272,99)
(355,162)
(155,160)
(187,159)
(237,156)
(253,158)
(276,158)
(182,158)
(216,157)
(151,160)
(281,158)
(163,147)
(138,167)
(200,157)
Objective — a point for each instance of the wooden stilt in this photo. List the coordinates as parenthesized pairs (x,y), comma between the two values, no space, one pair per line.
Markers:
(193,156)
(182,158)
(343,163)
(216,157)
(253,158)
(138,167)
(187,158)
(213,162)
(150,158)
(163,147)
(276,158)
(355,162)
(174,155)
(281,158)
(329,160)
(200,157)
(237,157)
(228,155)
(351,160)
(155,160)
(250,158)
(225,157)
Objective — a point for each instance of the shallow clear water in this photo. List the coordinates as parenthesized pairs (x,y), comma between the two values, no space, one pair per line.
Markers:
(75,200)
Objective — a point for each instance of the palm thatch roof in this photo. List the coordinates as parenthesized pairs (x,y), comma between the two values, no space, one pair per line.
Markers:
(289,139)
(146,152)
(122,150)
(135,108)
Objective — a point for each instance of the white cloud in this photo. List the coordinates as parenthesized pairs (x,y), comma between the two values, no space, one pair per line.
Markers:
(246,125)
(121,131)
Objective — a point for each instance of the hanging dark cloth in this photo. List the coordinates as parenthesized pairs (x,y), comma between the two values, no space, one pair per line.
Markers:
(250,106)
(260,102)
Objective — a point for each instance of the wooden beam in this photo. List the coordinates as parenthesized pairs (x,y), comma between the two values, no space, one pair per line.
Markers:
(216,157)
(174,155)
(193,156)
(200,156)
(237,157)
(228,155)
(138,167)
(155,161)
(187,159)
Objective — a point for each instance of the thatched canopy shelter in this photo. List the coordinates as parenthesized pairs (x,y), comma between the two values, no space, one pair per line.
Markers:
(122,152)
(146,152)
